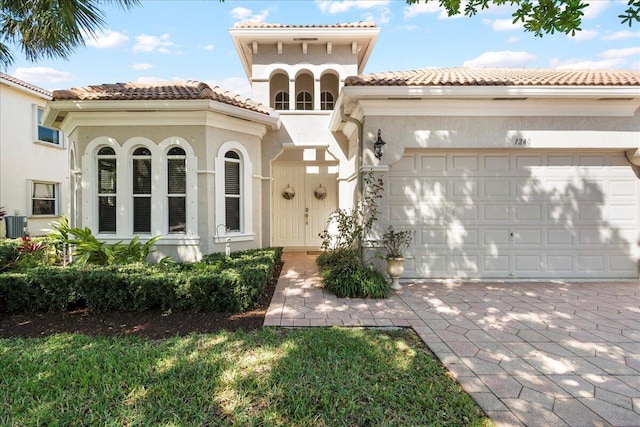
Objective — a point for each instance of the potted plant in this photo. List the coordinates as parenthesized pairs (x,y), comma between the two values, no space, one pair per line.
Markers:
(396,242)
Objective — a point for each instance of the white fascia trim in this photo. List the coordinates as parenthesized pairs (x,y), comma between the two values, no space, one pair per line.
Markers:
(363,92)
(271,120)
(25,89)
(507,108)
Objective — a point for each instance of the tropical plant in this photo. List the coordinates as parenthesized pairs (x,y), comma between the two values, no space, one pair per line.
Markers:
(3,213)
(46,29)
(87,249)
(396,242)
(353,226)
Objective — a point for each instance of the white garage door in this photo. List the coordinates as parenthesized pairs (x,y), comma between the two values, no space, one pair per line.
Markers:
(532,214)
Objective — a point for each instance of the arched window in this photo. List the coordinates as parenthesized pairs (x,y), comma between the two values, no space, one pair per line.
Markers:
(304,101)
(106,190)
(232,191)
(282,101)
(141,167)
(326,101)
(177,190)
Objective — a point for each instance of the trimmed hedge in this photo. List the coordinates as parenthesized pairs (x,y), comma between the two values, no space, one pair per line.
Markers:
(216,283)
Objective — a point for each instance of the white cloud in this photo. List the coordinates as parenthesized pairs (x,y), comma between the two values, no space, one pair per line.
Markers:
(333,7)
(584,35)
(418,9)
(620,53)
(622,35)
(141,66)
(238,85)
(576,64)
(505,58)
(595,8)
(503,24)
(42,75)
(147,43)
(244,14)
(513,39)
(383,16)
(106,39)
(208,47)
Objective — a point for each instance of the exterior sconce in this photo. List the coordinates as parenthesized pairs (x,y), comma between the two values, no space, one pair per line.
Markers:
(378,149)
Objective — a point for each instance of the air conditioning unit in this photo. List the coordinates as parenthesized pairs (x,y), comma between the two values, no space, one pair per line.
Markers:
(16,226)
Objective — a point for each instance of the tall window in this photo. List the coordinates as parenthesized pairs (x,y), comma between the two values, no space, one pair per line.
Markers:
(46,134)
(44,198)
(141,190)
(106,190)
(304,101)
(326,101)
(177,190)
(232,193)
(282,101)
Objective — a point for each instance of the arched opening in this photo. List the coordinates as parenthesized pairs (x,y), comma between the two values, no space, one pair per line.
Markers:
(279,91)
(328,90)
(304,91)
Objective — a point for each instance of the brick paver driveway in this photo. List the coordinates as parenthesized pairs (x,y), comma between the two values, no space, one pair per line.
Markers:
(534,354)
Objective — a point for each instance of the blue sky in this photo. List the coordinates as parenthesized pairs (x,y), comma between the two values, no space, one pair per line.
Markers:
(181,40)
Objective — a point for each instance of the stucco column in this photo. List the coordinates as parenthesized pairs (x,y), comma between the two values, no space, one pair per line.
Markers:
(292,94)
(316,94)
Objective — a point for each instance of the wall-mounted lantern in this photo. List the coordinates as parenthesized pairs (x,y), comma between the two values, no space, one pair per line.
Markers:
(378,149)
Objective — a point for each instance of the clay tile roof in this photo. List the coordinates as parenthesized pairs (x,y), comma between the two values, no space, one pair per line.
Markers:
(497,77)
(358,24)
(190,89)
(24,84)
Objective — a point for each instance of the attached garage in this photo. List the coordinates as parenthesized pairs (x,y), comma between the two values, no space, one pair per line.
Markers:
(504,173)
(528,214)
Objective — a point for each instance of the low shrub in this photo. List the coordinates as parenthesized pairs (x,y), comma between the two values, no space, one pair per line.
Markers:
(223,284)
(8,254)
(347,276)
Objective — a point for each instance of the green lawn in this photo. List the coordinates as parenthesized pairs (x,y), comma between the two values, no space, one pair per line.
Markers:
(306,377)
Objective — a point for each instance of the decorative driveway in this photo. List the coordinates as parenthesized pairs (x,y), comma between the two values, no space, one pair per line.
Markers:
(533,354)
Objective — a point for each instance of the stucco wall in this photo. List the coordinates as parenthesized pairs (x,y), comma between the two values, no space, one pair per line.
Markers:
(22,159)
(498,132)
(206,143)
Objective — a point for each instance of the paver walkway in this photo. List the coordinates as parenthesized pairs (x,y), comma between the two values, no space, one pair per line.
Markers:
(534,354)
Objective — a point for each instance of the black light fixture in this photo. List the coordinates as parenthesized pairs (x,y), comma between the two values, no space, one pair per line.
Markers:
(378,149)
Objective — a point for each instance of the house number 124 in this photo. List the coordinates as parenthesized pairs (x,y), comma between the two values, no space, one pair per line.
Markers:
(522,141)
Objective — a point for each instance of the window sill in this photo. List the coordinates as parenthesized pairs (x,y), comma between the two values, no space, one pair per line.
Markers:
(166,240)
(49,144)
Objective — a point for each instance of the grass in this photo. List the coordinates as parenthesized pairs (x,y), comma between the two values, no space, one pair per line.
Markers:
(269,377)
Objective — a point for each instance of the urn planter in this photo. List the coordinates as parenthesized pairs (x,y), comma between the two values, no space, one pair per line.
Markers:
(395,268)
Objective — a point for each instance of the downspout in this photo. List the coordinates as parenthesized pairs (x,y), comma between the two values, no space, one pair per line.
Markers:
(358,124)
(359,127)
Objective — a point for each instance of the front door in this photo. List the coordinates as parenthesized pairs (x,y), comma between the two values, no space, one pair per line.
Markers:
(298,220)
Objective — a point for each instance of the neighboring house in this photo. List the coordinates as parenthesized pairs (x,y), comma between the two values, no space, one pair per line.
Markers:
(33,159)
(502,173)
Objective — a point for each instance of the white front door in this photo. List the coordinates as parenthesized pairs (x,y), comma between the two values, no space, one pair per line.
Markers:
(297,222)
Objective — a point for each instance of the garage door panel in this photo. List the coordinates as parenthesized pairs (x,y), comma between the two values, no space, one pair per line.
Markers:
(528,213)
(497,212)
(464,163)
(513,214)
(497,189)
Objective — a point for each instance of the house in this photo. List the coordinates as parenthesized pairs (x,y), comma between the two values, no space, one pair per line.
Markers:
(502,173)
(33,161)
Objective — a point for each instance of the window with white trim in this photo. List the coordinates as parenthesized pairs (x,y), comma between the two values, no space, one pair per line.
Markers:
(282,101)
(326,101)
(304,101)
(44,198)
(46,134)
(141,186)
(177,190)
(106,160)
(232,191)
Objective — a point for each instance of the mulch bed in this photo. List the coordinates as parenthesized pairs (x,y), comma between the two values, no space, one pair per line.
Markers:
(154,324)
